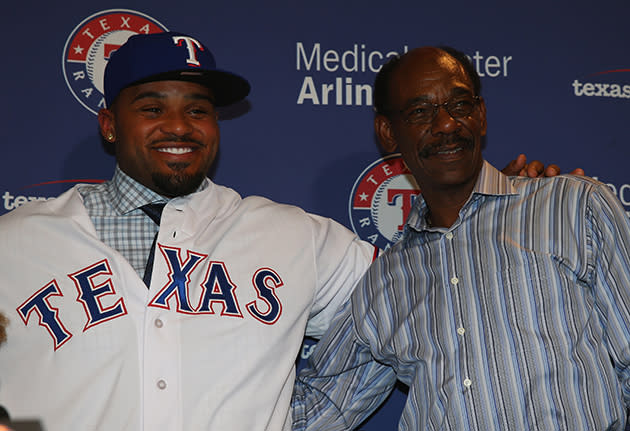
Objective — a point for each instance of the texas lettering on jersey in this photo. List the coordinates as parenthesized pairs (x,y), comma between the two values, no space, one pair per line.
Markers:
(94,282)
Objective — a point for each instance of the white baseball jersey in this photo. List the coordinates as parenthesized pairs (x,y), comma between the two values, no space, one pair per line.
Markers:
(211,345)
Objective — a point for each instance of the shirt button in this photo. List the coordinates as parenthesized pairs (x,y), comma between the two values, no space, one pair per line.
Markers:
(467,382)
(158,323)
(461,331)
(454,280)
(449,235)
(161,384)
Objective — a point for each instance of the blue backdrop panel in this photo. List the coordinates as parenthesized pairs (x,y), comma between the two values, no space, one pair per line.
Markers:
(556,80)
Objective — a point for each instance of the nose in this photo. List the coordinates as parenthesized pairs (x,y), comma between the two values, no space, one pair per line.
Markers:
(177,123)
(443,122)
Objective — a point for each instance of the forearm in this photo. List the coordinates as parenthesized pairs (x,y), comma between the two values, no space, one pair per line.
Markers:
(343,384)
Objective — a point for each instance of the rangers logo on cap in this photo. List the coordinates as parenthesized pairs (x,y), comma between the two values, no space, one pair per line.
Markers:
(381,199)
(89,46)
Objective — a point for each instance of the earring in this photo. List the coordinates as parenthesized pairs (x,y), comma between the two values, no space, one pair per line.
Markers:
(110,137)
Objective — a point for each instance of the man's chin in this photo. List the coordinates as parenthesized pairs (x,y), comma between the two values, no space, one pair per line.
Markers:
(178,183)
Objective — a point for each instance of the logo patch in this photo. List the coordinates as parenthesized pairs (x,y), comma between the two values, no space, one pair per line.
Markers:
(89,46)
(381,199)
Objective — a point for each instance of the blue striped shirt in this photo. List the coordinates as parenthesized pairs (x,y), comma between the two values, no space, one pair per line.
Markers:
(114,209)
(517,317)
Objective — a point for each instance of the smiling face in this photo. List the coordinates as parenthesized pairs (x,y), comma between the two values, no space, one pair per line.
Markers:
(444,153)
(165,133)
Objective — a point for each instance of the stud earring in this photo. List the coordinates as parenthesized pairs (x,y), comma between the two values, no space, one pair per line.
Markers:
(110,137)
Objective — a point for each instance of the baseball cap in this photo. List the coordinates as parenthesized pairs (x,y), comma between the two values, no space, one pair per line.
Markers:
(170,56)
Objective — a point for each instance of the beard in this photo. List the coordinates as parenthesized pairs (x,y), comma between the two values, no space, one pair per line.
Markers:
(177,183)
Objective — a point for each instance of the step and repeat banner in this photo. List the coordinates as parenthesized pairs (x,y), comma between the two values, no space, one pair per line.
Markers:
(556,80)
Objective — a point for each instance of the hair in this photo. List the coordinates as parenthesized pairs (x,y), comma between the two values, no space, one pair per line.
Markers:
(3,325)
(384,76)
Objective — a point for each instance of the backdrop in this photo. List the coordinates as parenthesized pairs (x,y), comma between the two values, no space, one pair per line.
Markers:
(556,80)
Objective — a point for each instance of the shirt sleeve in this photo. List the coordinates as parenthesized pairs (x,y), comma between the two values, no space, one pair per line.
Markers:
(342,384)
(610,236)
(341,258)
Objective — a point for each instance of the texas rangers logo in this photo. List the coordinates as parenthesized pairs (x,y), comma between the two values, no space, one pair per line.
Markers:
(89,46)
(381,199)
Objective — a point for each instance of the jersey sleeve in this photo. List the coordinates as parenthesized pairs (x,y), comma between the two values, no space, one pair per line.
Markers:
(341,258)
(342,384)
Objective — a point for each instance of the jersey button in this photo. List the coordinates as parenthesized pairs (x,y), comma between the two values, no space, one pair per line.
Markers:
(161,384)
(158,323)
(449,235)
(467,382)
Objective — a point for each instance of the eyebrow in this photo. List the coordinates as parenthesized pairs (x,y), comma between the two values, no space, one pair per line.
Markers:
(456,91)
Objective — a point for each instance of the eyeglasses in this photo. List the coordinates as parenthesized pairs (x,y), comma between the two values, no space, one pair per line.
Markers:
(425,112)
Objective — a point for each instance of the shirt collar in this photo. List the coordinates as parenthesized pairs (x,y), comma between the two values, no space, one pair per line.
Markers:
(491,182)
(126,194)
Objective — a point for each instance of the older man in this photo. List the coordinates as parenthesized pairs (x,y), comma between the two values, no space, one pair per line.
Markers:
(506,304)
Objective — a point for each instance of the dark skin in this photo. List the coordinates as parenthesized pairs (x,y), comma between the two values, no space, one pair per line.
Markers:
(165,134)
(534,169)
(444,155)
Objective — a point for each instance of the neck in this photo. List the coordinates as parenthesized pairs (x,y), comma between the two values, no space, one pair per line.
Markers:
(444,204)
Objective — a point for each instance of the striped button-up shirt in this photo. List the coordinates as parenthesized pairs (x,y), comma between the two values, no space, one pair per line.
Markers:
(114,208)
(517,317)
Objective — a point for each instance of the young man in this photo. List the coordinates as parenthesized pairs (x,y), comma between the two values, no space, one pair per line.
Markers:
(506,304)
(210,341)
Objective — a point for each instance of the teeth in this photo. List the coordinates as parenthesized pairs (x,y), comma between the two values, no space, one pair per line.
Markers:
(175,150)
(450,151)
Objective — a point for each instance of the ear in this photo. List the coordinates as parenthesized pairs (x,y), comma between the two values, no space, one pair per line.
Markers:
(383,130)
(107,124)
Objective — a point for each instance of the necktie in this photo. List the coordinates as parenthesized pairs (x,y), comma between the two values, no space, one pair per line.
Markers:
(154,211)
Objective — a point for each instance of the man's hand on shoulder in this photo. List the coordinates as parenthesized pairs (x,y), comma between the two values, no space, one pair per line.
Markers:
(534,169)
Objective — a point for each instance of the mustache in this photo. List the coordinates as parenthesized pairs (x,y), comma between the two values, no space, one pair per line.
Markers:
(171,137)
(447,143)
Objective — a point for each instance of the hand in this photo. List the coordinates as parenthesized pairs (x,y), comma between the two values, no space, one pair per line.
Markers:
(535,169)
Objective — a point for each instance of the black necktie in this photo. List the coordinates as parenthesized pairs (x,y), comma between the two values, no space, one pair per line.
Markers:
(154,211)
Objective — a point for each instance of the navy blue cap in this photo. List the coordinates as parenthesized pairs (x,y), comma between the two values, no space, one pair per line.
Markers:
(170,56)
